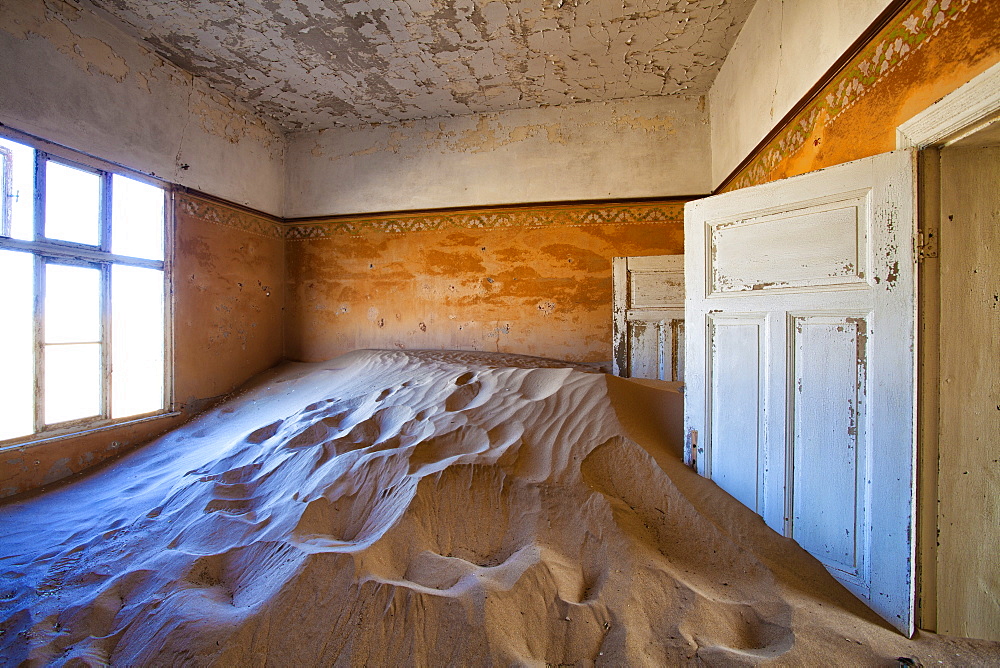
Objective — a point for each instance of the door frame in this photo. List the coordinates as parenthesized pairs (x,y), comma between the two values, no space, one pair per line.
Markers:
(963,112)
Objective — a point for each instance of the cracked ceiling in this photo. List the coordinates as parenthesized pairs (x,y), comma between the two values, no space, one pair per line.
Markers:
(317,64)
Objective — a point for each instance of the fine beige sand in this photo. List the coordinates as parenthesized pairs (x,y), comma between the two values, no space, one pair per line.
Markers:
(424,508)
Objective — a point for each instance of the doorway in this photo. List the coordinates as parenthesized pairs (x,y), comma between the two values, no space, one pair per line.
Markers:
(960,386)
(958,395)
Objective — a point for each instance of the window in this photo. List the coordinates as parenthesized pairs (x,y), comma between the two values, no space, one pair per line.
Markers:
(82,291)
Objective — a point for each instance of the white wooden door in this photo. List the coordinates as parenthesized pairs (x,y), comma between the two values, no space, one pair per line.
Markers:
(800,397)
(648,329)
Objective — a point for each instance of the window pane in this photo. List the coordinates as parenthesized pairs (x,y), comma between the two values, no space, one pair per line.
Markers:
(17,210)
(72,304)
(17,386)
(72,382)
(136,218)
(72,204)
(137,341)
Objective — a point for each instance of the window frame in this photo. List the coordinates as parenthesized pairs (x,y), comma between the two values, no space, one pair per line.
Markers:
(6,178)
(45,251)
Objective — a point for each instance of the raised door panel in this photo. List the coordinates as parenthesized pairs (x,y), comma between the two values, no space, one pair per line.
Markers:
(655,345)
(736,368)
(819,245)
(829,444)
(656,289)
(645,344)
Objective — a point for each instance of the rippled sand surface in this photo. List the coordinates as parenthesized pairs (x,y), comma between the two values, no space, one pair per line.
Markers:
(424,508)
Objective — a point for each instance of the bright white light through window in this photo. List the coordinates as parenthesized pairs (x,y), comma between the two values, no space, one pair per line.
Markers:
(72,304)
(72,326)
(72,381)
(72,204)
(138,216)
(20,189)
(84,343)
(137,333)
(17,342)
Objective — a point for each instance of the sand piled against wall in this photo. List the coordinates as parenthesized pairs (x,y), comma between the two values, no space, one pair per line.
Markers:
(394,508)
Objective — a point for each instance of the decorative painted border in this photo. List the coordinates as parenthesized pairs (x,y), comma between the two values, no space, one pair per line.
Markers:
(494,218)
(218,213)
(916,25)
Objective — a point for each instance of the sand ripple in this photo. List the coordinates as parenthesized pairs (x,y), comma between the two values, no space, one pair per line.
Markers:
(420,508)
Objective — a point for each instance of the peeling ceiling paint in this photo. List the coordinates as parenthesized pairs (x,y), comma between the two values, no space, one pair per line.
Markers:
(318,64)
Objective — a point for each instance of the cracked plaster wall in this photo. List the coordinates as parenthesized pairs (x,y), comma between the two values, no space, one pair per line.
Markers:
(72,78)
(618,149)
(784,48)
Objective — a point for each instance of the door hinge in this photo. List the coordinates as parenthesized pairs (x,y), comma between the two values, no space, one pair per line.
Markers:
(692,449)
(925,245)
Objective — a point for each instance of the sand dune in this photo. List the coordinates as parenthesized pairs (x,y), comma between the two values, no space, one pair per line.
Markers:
(424,508)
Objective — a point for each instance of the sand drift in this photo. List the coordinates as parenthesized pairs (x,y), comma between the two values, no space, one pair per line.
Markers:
(401,508)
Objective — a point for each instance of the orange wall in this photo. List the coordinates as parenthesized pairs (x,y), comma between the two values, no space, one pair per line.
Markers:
(229,277)
(924,53)
(535,281)
(228,299)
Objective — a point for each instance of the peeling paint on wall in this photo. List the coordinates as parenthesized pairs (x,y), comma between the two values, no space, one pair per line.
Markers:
(602,150)
(63,26)
(229,296)
(72,78)
(56,22)
(483,133)
(535,281)
(488,135)
(928,50)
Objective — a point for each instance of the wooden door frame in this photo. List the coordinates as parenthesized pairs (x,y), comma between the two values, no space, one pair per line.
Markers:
(959,114)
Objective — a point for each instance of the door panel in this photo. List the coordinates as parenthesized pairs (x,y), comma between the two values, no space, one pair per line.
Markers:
(818,245)
(828,439)
(646,348)
(826,262)
(737,405)
(656,289)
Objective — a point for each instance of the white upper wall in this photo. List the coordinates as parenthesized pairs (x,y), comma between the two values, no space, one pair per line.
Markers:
(69,76)
(782,51)
(646,147)
(72,77)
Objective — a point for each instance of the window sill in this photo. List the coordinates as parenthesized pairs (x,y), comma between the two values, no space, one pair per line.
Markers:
(76,432)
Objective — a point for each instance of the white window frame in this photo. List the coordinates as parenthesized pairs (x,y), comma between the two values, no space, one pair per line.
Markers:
(46,251)
(5,185)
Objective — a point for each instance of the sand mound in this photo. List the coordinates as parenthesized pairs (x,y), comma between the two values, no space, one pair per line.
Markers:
(390,508)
